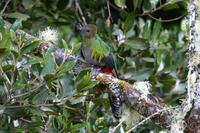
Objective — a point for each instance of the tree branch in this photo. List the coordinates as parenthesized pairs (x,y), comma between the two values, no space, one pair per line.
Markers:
(35,90)
(78,12)
(167,20)
(193,101)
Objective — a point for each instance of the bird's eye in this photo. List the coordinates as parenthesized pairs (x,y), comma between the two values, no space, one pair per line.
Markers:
(87,30)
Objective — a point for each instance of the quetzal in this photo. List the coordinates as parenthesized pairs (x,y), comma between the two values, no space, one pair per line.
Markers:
(96,52)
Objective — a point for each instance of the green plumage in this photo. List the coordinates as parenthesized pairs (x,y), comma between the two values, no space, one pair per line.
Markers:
(98,47)
(94,50)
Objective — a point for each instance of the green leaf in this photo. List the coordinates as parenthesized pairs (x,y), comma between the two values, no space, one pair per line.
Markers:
(35,60)
(34,124)
(142,74)
(76,47)
(28,4)
(7,67)
(64,44)
(147,30)
(161,62)
(137,4)
(18,15)
(164,36)
(168,82)
(5,38)
(30,46)
(66,67)
(40,97)
(36,111)
(120,3)
(68,89)
(15,53)
(13,35)
(89,106)
(5,42)
(85,83)
(148,59)
(16,112)
(83,73)
(49,63)
(2,23)
(174,4)
(78,126)
(158,57)
(4,52)
(49,77)
(138,44)
(156,30)
(147,6)
(129,22)
(2,108)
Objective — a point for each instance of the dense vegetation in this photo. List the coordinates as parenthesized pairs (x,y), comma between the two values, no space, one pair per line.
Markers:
(148,39)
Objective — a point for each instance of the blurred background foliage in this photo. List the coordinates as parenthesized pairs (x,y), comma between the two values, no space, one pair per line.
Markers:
(149,41)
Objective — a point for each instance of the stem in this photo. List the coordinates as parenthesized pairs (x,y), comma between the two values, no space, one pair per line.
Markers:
(108,6)
(165,21)
(38,88)
(78,9)
(31,105)
(6,88)
(4,8)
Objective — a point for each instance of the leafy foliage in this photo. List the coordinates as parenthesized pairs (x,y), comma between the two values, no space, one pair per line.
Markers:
(148,42)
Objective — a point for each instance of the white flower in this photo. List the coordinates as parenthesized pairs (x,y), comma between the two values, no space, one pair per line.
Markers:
(118,33)
(121,38)
(163,131)
(15,123)
(143,86)
(48,35)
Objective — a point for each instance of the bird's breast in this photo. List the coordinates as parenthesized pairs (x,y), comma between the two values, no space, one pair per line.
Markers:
(87,55)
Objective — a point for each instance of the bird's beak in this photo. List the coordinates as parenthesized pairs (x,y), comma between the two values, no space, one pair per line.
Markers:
(82,31)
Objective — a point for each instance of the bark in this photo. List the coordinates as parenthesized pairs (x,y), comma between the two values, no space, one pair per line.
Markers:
(193,116)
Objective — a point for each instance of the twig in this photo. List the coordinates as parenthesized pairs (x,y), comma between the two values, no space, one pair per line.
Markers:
(38,105)
(7,84)
(78,8)
(148,118)
(148,13)
(28,121)
(165,21)
(38,88)
(4,8)
(152,11)
(160,2)
(115,128)
(117,8)
(108,6)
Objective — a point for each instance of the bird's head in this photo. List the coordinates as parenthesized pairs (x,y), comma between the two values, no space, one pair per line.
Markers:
(88,31)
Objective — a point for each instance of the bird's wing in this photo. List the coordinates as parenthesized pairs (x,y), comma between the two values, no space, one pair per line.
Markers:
(99,49)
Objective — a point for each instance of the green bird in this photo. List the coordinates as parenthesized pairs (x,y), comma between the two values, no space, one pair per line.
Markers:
(96,52)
